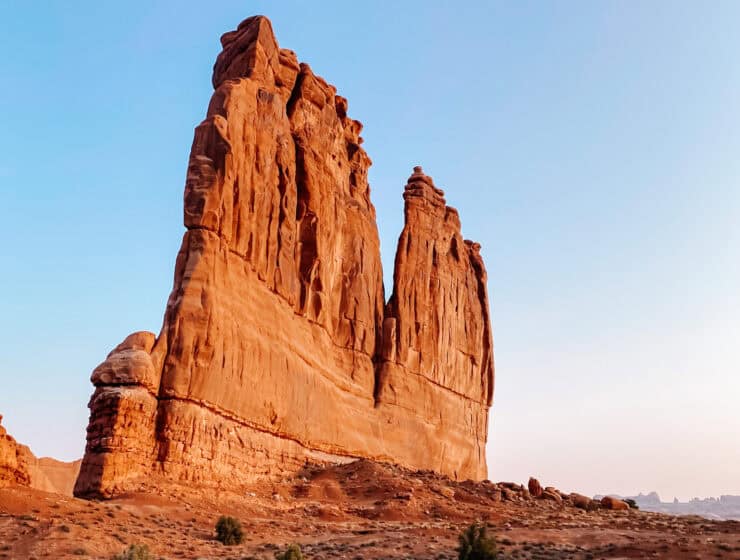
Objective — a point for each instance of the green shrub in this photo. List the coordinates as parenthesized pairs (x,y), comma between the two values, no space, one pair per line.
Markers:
(135,552)
(229,530)
(475,544)
(293,552)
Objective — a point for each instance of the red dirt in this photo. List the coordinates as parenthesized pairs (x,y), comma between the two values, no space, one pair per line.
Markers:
(360,510)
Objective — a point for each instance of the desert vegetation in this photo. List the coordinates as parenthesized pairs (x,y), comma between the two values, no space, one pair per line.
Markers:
(229,531)
(476,544)
(135,552)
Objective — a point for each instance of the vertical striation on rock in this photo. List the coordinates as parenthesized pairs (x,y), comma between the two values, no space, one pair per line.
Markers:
(277,347)
(440,302)
(438,349)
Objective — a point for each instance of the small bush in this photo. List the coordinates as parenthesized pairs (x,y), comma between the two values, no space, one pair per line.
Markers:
(475,544)
(135,552)
(229,530)
(293,552)
(631,503)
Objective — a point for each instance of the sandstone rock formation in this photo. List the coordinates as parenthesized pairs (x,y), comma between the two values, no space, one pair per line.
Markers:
(18,465)
(583,502)
(548,494)
(610,502)
(14,460)
(534,486)
(277,346)
(52,475)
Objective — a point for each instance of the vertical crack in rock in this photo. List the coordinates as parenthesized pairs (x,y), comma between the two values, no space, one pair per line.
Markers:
(277,347)
(437,364)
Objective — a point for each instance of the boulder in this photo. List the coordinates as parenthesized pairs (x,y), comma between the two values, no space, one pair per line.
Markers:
(610,502)
(550,495)
(583,502)
(534,487)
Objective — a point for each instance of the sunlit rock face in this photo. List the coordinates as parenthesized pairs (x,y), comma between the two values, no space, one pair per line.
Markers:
(14,460)
(20,467)
(277,346)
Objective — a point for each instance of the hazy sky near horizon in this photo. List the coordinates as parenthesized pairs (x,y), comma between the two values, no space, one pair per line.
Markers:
(592,148)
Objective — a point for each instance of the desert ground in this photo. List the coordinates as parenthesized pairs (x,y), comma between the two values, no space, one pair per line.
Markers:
(361,510)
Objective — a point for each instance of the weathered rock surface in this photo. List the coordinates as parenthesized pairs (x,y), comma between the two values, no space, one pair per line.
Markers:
(437,348)
(277,346)
(18,465)
(51,475)
(610,502)
(550,495)
(14,459)
(583,502)
(534,486)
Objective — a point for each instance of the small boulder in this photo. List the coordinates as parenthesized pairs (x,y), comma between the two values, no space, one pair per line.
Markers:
(583,502)
(550,495)
(447,492)
(609,502)
(535,489)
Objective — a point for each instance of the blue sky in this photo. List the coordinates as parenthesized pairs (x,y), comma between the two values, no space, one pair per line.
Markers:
(591,147)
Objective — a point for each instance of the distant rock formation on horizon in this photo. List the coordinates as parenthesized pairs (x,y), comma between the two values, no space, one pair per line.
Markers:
(645,499)
(18,465)
(278,347)
(724,507)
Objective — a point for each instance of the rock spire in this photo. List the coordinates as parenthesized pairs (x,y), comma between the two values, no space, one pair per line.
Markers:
(277,346)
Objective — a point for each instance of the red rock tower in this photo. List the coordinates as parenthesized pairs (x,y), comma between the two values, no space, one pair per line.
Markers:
(277,347)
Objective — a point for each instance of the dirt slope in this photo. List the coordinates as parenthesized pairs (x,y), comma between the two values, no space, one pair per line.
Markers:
(356,511)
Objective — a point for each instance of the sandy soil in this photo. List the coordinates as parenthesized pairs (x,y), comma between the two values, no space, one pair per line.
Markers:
(357,511)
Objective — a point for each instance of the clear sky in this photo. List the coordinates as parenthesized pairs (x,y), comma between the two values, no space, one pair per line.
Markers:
(591,147)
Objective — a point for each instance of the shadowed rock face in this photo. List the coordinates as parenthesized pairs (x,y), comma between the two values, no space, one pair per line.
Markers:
(277,347)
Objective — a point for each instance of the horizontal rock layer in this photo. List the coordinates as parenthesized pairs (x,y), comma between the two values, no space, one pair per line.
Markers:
(277,346)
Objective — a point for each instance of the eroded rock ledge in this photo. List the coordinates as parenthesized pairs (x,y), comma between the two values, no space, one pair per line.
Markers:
(277,346)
